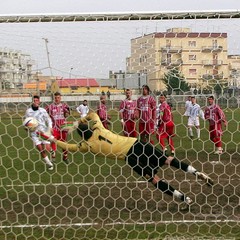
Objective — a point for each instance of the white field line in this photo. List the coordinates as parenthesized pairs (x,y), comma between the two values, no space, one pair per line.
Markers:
(93,183)
(113,223)
(72,183)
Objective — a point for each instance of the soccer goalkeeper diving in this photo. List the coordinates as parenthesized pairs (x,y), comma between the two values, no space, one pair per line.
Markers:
(144,158)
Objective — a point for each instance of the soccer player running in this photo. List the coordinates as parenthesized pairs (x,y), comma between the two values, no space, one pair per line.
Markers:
(58,112)
(44,124)
(144,158)
(127,114)
(214,114)
(195,112)
(146,112)
(103,112)
(165,125)
(83,109)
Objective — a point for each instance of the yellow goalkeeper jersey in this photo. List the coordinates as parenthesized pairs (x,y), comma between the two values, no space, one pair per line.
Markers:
(102,142)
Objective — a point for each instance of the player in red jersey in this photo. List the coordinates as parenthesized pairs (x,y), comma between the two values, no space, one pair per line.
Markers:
(102,112)
(165,125)
(127,113)
(214,114)
(146,107)
(58,112)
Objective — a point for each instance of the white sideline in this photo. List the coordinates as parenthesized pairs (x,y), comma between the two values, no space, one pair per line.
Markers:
(114,223)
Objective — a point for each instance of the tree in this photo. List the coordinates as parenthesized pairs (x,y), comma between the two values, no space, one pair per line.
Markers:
(218,90)
(175,81)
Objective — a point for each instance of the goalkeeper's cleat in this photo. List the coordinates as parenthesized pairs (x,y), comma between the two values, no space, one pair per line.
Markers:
(172,153)
(185,206)
(205,178)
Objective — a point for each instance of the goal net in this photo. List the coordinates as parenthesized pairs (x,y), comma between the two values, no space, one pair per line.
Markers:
(84,56)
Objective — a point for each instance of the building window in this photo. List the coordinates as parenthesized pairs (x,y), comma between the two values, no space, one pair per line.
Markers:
(192,43)
(192,57)
(168,43)
(192,71)
(143,45)
(215,43)
(143,58)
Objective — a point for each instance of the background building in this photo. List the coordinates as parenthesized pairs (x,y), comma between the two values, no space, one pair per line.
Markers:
(234,68)
(202,58)
(15,69)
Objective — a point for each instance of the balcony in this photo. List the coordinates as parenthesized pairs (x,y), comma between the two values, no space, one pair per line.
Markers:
(212,48)
(171,49)
(171,63)
(212,76)
(212,62)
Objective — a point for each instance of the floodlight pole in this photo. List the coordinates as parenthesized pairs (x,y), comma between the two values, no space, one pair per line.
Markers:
(49,64)
(70,73)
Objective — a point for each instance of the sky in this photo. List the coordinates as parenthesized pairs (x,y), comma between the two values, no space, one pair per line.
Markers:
(91,49)
(61,6)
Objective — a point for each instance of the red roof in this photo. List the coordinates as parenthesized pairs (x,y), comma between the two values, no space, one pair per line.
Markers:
(78,82)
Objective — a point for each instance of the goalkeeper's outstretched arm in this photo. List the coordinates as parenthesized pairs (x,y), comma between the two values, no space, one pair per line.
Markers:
(82,146)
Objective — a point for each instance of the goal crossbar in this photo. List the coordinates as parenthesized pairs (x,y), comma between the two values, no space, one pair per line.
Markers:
(121,16)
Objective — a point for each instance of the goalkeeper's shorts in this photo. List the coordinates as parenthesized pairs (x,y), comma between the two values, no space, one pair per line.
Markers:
(145,159)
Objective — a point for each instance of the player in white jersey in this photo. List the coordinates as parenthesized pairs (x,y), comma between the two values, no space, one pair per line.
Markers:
(44,124)
(83,109)
(195,112)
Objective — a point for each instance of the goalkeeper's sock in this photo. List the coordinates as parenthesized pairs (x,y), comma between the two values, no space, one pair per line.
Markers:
(169,190)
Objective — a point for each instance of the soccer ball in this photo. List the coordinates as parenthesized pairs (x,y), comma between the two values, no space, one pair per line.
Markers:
(30,123)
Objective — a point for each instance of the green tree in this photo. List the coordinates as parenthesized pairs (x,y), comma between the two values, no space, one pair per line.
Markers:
(175,81)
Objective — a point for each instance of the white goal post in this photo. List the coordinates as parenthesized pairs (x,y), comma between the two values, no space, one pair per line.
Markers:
(85,55)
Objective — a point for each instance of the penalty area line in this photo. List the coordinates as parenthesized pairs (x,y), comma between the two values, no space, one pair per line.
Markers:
(113,224)
(72,183)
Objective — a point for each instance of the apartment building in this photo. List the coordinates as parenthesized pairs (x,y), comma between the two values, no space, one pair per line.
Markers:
(201,57)
(15,69)
(234,68)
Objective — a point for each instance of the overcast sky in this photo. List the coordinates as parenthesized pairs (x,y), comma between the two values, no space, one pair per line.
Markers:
(91,49)
(61,6)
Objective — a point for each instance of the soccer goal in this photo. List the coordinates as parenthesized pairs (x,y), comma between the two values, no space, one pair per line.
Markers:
(84,56)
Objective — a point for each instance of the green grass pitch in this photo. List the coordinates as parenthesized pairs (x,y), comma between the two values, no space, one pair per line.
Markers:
(98,198)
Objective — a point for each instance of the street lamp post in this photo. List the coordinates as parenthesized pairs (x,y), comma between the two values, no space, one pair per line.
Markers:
(48,58)
(70,73)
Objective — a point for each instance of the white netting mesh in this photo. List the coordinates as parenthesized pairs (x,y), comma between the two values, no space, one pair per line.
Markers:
(99,198)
